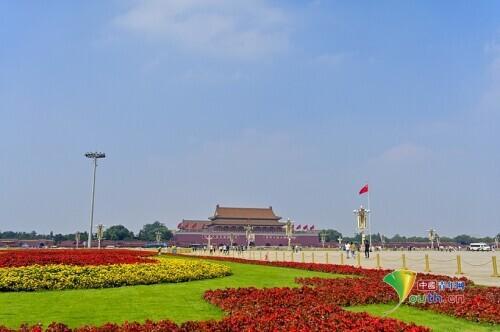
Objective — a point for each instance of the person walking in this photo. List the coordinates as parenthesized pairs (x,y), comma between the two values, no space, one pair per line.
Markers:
(348,249)
(367,249)
(353,250)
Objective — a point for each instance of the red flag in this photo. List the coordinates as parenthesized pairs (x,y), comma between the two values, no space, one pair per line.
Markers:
(179,225)
(305,227)
(298,227)
(364,189)
(312,227)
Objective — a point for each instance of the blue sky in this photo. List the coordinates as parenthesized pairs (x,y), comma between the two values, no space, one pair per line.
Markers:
(251,103)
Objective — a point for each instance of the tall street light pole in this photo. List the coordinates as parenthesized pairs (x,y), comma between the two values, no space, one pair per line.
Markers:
(94,156)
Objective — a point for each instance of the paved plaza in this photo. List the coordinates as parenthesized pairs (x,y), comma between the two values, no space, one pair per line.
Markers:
(477,266)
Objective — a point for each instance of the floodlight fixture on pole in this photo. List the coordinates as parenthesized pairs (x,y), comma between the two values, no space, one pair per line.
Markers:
(94,156)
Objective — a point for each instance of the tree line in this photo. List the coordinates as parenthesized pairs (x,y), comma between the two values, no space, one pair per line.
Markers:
(332,235)
(148,233)
(114,233)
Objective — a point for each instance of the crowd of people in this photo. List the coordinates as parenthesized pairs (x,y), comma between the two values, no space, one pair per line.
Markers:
(223,249)
(351,248)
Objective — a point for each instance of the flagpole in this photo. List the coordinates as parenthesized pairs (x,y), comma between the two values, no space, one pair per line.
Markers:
(369,218)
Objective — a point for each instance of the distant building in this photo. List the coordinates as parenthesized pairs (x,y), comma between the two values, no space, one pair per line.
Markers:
(230,223)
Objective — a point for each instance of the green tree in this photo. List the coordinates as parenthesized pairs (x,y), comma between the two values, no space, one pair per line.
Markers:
(117,233)
(397,238)
(58,238)
(331,235)
(148,232)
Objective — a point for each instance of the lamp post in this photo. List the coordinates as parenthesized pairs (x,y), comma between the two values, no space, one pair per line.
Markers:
(323,238)
(289,232)
(100,234)
(77,239)
(209,240)
(432,237)
(361,217)
(94,156)
(249,235)
(382,241)
(158,236)
(340,241)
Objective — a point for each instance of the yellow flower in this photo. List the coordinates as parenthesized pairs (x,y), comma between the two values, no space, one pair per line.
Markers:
(50,277)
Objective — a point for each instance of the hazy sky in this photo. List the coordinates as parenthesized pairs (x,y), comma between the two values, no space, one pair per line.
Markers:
(251,103)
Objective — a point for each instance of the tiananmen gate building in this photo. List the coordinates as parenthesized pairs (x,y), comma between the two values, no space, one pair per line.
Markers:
(229,224)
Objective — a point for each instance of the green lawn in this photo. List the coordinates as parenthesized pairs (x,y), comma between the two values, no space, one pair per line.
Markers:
(178,302)
(437,322)
(181,302)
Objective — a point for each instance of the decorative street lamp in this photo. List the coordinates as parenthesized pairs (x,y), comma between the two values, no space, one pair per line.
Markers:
(77,239)
(94,156)
(209,240)
(361,218)
(432,237)
(323,238)
(249,235)
(289,232)
(100,234)
(340,241)
(158,236)
(382,241)
(231,239)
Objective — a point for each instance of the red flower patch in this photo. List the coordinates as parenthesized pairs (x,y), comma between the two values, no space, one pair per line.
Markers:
(480,304)
(16,258)
(316,306)
(295,309)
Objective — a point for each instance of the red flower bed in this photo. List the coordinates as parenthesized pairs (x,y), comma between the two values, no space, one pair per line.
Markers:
(480,304)
(16,258)
(295,309)
(332,268)
(316,306)
(254,310)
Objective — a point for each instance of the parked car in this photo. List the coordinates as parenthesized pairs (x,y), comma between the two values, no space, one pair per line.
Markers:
(155,245)
(480,246)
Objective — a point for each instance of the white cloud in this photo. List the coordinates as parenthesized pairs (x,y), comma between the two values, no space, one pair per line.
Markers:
(405,153)
(223,28)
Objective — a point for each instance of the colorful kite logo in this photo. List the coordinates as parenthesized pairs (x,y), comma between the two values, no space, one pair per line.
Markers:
(402,281)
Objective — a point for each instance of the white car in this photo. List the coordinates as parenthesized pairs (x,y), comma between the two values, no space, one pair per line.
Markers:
(481,246)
